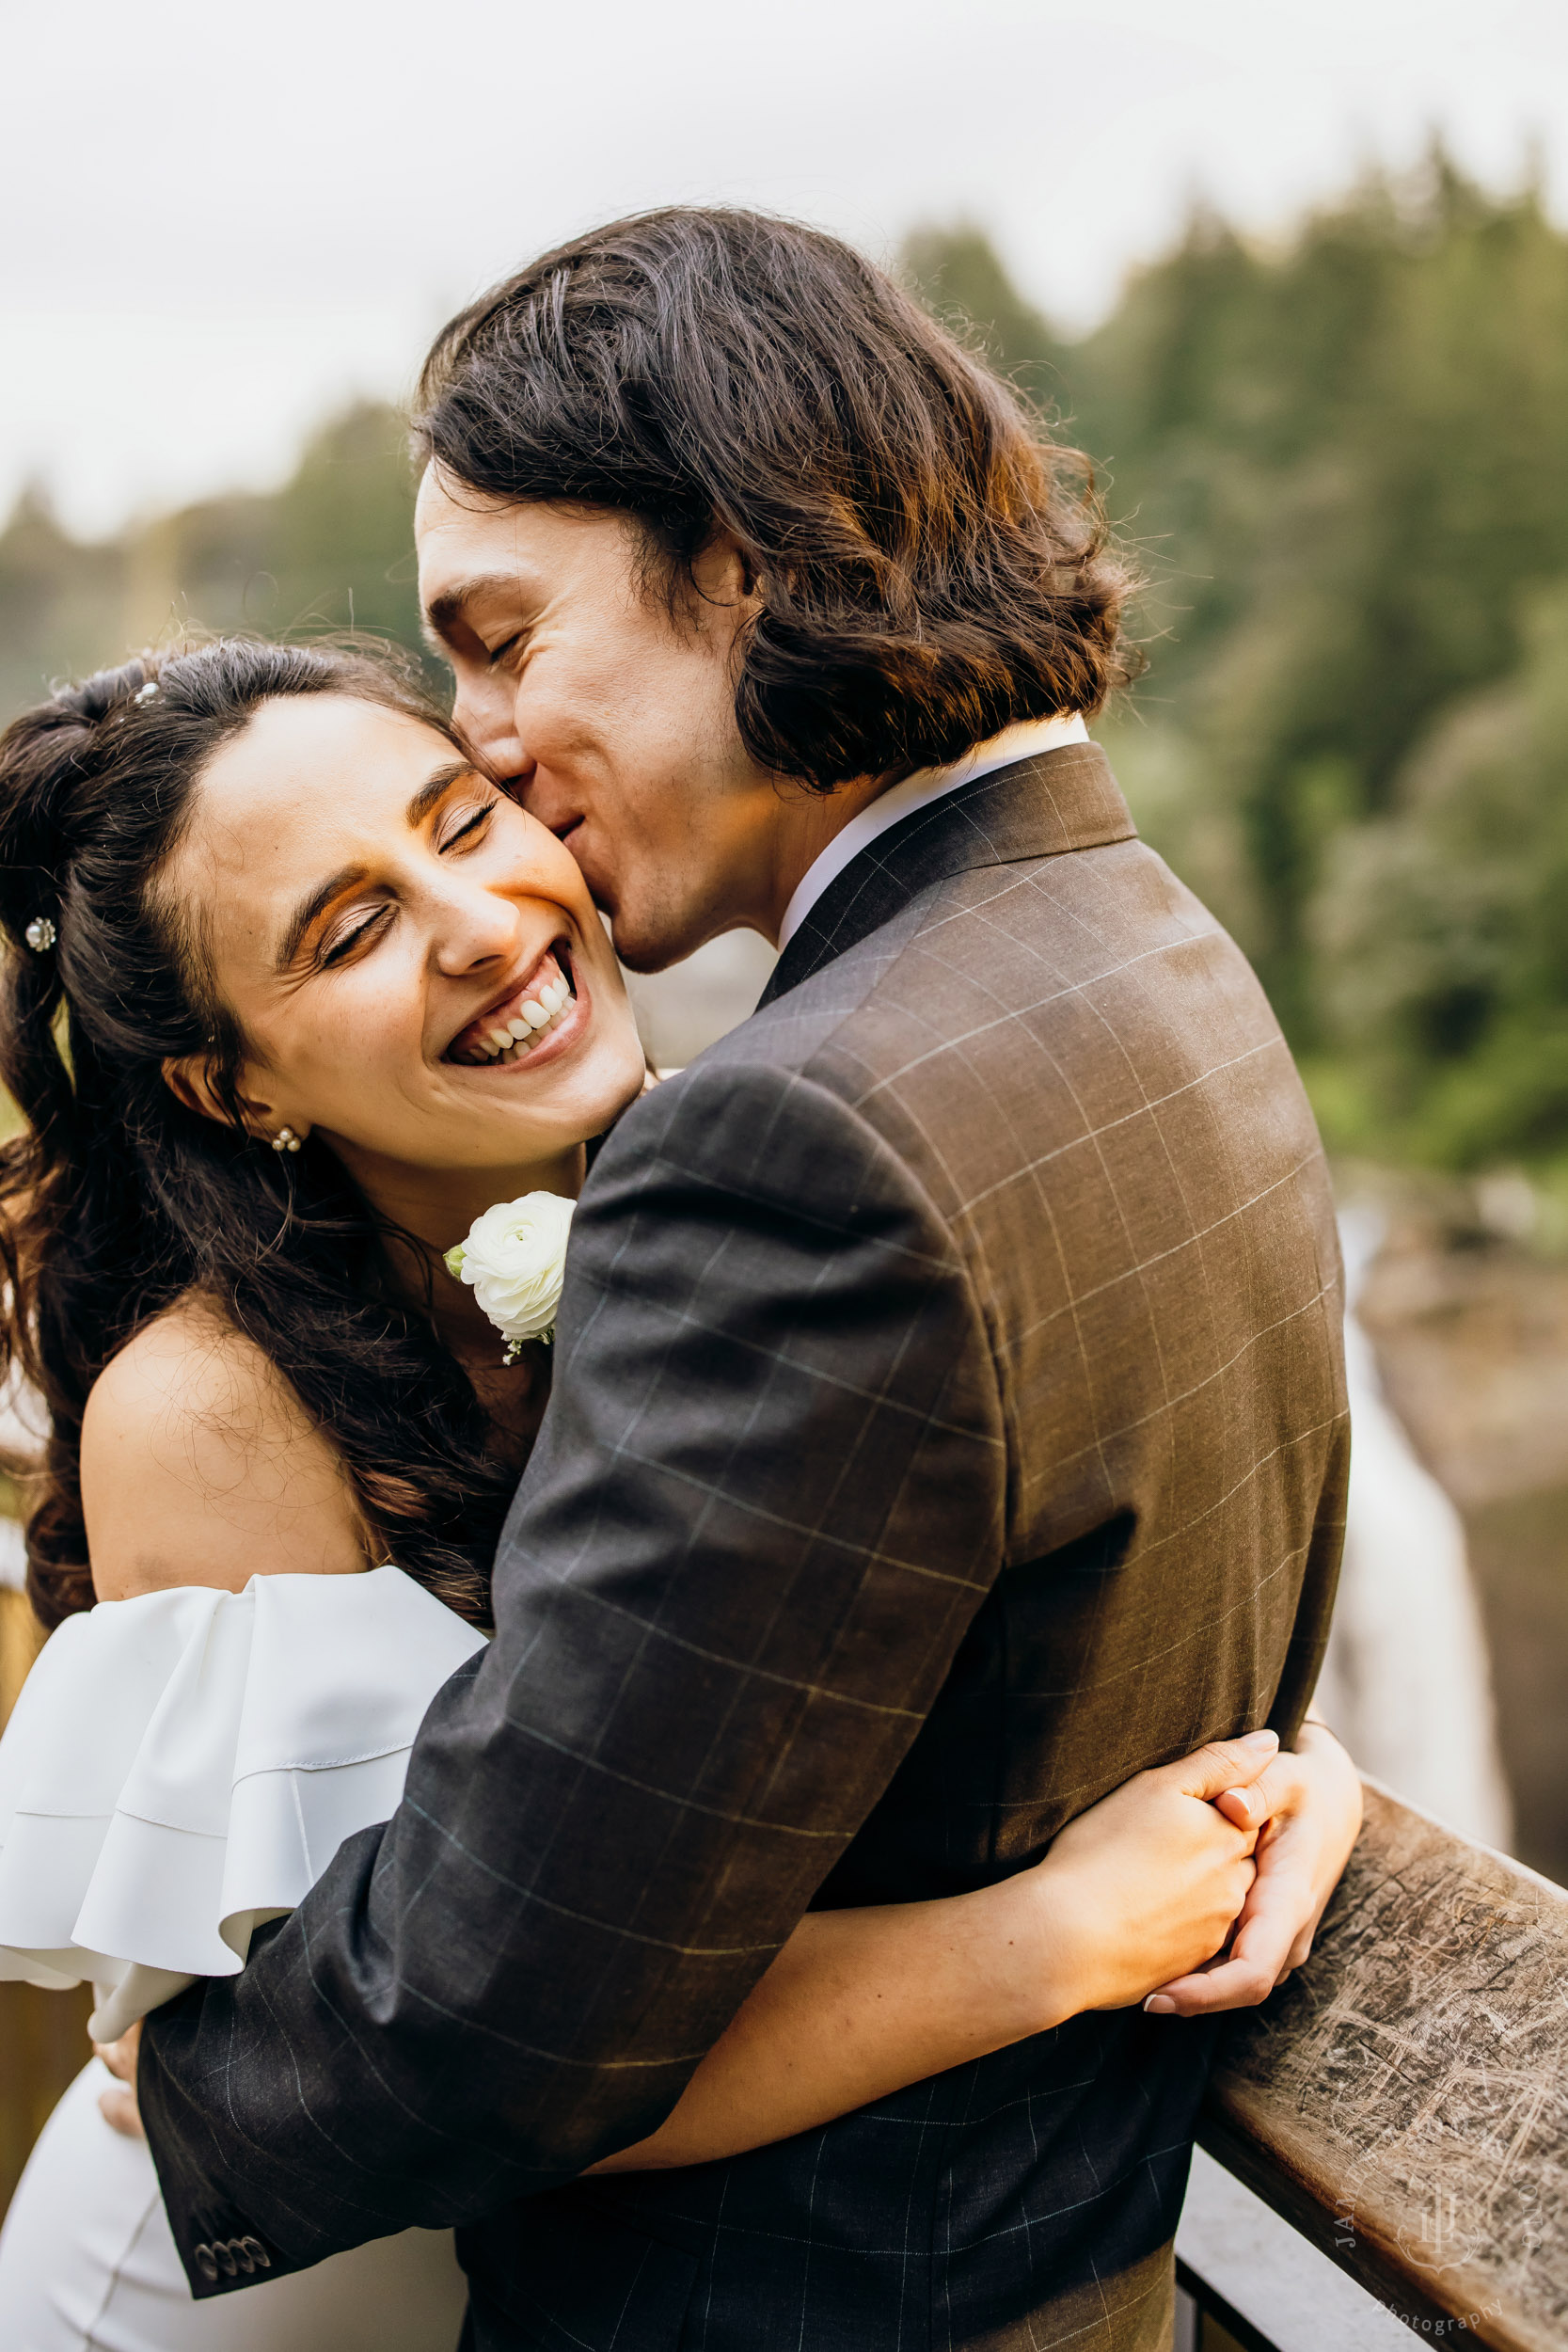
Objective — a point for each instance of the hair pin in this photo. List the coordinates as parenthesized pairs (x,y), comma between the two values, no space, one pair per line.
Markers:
(40,934)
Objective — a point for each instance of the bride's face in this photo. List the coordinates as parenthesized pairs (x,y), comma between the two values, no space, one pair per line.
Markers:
(415,963)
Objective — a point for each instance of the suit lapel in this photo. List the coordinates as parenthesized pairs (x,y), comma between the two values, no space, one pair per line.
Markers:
(1048,806)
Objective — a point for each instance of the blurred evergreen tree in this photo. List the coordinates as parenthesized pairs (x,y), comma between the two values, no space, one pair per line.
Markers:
(1443,929)
(960,278)
(333,549)
(1345,465)
(60,603)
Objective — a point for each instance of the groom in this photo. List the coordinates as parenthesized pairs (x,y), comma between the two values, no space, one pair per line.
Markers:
(948,1418)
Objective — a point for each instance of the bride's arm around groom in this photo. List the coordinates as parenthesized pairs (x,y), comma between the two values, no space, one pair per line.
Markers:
(949,1414)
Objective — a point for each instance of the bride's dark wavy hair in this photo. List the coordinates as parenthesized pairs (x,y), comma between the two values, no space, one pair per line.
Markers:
(116,1199)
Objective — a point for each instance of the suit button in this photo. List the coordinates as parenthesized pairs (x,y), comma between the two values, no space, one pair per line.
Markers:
(223,2248)
(261,2258)
(243,2255)
(207,2262)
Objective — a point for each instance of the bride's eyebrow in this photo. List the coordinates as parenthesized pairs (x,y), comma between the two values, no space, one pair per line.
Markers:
(316,902)
(431,790)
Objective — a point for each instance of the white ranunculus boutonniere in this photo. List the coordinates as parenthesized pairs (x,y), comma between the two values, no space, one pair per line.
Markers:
(515,1257)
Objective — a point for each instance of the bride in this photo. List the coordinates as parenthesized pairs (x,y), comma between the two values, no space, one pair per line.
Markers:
(296,995)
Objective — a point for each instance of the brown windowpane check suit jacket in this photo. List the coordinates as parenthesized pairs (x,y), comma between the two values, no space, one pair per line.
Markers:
(948,1423)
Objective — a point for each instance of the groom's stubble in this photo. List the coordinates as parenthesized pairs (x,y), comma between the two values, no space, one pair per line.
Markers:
(608,706)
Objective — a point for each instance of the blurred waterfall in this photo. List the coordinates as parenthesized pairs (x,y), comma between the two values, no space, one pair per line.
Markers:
(1407,1679)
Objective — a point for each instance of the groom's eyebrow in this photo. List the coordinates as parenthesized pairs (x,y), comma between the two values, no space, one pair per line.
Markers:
(445,615)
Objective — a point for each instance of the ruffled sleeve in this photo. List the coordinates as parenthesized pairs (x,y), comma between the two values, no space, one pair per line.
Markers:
(182,1767)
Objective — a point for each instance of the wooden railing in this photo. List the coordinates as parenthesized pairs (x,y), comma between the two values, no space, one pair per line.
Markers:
(1402,2100)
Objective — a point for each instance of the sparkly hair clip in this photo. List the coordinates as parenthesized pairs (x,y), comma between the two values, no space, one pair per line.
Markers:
(146,693)
(40,934)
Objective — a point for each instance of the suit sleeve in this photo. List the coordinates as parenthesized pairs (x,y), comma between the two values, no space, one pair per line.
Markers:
(766,1499)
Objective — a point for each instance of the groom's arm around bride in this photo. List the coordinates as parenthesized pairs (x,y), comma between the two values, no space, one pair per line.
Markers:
(948,1417)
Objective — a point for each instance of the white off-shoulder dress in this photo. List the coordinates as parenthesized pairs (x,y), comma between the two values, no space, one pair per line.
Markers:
(178,1769)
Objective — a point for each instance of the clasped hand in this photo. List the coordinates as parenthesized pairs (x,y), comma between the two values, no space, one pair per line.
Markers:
(1199,1885)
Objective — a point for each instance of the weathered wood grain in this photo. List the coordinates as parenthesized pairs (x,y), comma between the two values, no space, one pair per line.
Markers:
(1404,2099)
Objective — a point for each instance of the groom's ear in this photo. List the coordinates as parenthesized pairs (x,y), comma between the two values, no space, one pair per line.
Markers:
(722,572)
(189,1079)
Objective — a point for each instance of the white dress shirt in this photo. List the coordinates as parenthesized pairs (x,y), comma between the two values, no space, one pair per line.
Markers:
(1024,742)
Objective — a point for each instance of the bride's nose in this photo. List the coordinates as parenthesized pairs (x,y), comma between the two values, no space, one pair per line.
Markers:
(474,927)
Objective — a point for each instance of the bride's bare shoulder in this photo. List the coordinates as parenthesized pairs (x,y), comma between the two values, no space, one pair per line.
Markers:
(200,1465)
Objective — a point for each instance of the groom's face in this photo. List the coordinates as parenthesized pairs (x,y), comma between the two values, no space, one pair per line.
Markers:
(611,718)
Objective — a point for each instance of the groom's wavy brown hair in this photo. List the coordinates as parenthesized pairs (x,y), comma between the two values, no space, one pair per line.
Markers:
(930,567)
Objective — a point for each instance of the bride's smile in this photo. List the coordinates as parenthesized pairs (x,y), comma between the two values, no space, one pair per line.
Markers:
(415,966)
(536,1018)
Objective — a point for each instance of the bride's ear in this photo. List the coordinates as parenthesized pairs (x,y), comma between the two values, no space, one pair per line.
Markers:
(188,1078)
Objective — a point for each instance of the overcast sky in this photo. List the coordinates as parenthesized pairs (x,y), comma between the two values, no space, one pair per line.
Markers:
(218,222)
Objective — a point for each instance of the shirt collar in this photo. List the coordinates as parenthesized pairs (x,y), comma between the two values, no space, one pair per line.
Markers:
(1024,742)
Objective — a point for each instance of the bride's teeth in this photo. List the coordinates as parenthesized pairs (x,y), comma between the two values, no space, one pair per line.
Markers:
(536,1014)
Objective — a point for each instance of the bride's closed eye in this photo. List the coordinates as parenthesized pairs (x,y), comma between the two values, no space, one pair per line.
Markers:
(464,826)
(465,823)
(339,944)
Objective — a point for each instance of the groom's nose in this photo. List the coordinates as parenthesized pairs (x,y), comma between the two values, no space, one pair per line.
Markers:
(484,712)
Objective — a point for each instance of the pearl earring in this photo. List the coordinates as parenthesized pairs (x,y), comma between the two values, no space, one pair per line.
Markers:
(285,1140)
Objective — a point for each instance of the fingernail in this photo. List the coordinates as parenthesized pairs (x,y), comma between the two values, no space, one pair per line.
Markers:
(1160,2005)
(1260,1739)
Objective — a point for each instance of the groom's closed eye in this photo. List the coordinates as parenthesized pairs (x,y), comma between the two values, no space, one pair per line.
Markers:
(451,620)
